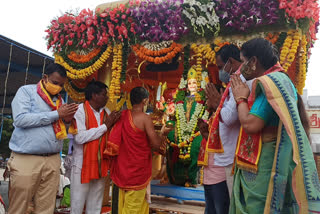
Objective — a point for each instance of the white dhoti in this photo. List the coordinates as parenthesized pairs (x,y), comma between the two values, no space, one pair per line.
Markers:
(89,194)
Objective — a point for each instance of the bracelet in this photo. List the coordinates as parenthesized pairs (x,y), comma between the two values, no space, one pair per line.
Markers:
(241,101)
(241,97)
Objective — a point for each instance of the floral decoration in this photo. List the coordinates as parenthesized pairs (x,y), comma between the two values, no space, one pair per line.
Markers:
(114,89)
(88,30)
(73,73)
(202,16)
(157,56)
(75,94)
(159,20)
(298,9)
(289,49)
(301,77)
(241,15)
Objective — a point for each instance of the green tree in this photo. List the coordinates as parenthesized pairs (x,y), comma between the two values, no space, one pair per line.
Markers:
(5,137)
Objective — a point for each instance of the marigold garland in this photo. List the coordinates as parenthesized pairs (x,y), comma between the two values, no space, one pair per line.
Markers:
(198,54)
(273,37)
(83,73)
(79,58)
(73,93)
(301,77)
(158,56)
(114,89)
(289,49)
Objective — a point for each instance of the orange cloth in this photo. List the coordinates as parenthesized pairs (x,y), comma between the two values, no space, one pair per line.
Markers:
(131,164)
(94,166)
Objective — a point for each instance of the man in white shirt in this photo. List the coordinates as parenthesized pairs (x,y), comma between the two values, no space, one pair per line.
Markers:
(217,173)
(90,168)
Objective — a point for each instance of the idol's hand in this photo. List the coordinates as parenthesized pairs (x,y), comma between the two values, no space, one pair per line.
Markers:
(240,90)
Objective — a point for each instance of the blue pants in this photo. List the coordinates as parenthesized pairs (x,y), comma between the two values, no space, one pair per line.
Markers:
(217,198)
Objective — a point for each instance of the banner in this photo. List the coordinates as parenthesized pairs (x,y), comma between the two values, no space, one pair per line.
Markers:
(314,119)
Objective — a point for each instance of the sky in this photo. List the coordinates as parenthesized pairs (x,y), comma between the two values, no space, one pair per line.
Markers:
(26,20)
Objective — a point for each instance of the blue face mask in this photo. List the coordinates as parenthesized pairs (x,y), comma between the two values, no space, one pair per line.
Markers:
(223,75)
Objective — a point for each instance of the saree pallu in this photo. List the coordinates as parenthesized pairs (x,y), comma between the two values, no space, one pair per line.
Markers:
(287,179)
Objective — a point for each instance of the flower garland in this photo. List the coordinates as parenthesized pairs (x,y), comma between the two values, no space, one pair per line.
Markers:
(80,66)
(83,73)
(301,77)
(206,51)
(155,46)
(201,16)
(273,37)
(159,20)
(73,93)
(158,56)
(186,130)
(289,49)
(79,58)
(114,89)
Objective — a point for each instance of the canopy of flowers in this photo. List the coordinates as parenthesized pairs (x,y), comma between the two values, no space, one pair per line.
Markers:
(161,31)
(156,21)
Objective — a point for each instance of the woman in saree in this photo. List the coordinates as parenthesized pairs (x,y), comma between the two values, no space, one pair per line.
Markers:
(274,167)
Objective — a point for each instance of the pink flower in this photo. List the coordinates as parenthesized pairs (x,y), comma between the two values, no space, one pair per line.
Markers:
(89,22)
(103,15)
(123,16)
(83,27)
(70,42)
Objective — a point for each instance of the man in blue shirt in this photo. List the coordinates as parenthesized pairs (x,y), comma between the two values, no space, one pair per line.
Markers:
(39,119)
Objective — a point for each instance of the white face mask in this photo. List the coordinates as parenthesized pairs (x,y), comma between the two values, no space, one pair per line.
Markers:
(224,76)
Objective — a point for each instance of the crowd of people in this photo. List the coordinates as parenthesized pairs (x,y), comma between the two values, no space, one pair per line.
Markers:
(255,148)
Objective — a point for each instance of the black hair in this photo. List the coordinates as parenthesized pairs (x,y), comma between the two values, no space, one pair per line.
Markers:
(138,94)
(228,51)
(94,87)
(54,67)
(266,53)
(303,116)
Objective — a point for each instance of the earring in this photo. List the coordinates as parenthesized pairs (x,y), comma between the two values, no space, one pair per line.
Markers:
(254,67)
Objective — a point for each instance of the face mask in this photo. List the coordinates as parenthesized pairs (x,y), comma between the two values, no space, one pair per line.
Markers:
(223,75)
(52,88)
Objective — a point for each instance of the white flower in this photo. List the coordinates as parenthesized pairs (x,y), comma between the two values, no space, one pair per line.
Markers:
(183,83)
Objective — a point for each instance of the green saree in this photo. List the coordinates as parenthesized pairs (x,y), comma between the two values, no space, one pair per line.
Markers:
(287,179)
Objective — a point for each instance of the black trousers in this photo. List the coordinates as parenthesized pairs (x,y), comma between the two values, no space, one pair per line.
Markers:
(217,198)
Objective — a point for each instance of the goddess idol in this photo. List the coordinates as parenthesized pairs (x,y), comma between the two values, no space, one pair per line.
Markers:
(184,141)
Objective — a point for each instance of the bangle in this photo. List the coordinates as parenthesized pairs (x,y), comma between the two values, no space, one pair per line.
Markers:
(241,97)
(241,101)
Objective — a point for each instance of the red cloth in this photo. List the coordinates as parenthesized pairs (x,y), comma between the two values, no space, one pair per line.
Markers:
(131,164)
(249,146)
(94,166)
